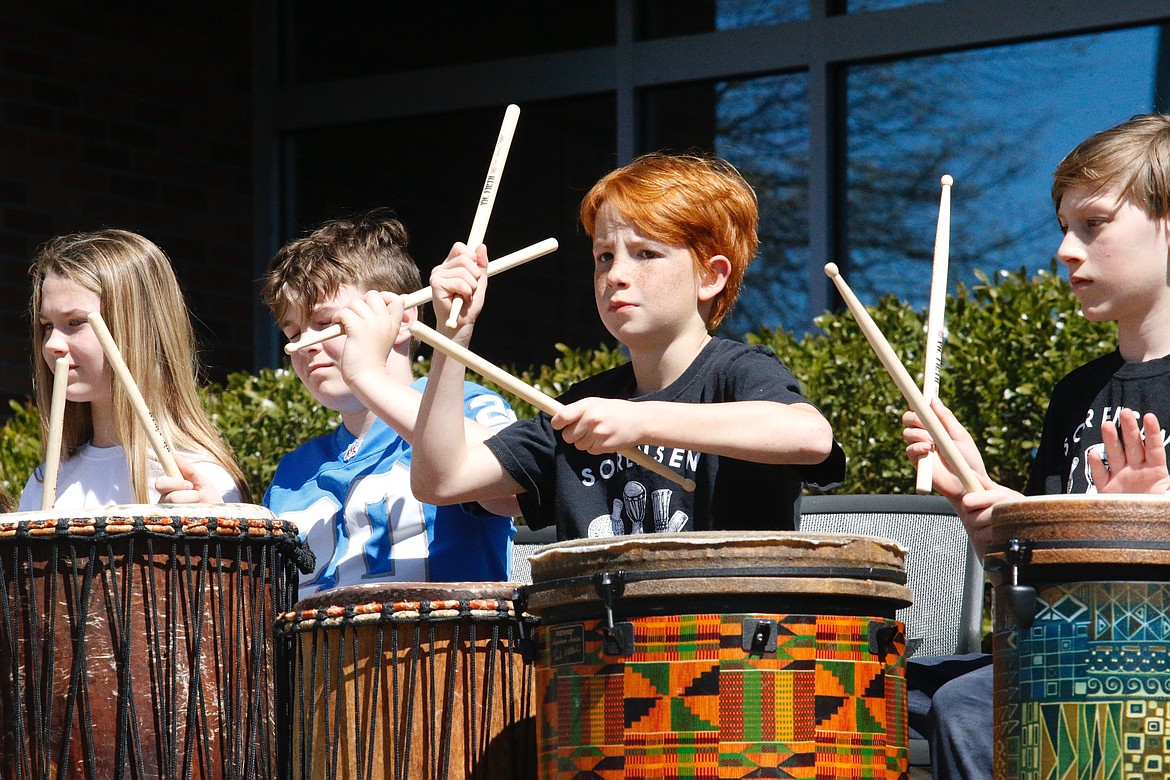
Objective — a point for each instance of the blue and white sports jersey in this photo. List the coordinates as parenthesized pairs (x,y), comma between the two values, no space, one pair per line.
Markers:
(351,501)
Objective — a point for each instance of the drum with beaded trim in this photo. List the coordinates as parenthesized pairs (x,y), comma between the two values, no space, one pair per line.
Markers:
(411,680)
(721,655)
(1081,640)
(136,641)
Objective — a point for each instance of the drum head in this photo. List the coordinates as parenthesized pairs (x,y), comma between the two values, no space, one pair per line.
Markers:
(1107,529)
(700,563)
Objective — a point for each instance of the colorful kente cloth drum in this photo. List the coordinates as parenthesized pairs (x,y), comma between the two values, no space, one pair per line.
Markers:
(710,655)
(136,641)
(410,680)
(1082,637)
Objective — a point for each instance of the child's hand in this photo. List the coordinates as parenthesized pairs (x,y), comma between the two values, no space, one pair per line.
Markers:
(600,425)
(192,489)
(1136,458)
(975,510)
(373,324)
(919,444)
(462,275)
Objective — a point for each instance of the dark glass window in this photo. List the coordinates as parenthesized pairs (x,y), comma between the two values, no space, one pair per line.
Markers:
(431,170)
(670,18)
(998,120)
(362,37)
(760,125)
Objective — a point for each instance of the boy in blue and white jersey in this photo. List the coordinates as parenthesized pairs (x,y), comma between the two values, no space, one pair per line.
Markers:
(349,491)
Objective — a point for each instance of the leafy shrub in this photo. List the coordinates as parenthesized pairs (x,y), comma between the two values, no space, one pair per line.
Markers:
(1010,339)
(262,417)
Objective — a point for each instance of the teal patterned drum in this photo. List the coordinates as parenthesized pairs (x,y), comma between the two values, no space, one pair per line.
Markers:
(1082,637)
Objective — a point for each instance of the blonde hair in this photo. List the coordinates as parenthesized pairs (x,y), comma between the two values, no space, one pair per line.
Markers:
(701,203)
(144,309)
(1134,156)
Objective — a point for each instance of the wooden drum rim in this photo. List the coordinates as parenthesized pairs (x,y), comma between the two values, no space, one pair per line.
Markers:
(1083,529)
(712,562)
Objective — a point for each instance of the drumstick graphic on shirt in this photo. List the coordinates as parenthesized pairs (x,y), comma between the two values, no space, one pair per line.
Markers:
(935,322)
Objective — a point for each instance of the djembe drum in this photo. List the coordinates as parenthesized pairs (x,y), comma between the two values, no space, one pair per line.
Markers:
(410,680)
(136,641)
(717,655)
(1082,637)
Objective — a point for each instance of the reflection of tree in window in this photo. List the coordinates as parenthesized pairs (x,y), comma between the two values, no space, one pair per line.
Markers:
(977,115)
(762,128)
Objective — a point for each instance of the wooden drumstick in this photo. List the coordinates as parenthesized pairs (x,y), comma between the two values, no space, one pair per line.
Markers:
(426,294)
(162,449)
(942,440)
(56,424)
(544,403)
(936,321)
(487,198)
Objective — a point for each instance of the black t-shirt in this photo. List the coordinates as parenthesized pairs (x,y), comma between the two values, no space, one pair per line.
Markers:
(1088,397)
(587,495)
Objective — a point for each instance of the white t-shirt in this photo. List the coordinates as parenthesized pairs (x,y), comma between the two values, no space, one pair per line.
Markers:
(98,476)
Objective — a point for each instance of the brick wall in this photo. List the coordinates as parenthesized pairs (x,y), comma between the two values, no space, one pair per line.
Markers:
(136,116)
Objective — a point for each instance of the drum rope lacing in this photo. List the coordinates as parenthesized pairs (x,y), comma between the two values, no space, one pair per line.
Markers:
(262,586)
(401,613)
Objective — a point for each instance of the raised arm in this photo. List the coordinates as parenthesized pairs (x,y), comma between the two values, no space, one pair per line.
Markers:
(449,466)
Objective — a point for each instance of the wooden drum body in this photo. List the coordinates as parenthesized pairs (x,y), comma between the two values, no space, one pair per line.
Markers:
(1082,637)
(139,643)
(716,655)
(410,680)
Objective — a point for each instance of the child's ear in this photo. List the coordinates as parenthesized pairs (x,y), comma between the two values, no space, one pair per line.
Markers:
(408,317)
(714,278)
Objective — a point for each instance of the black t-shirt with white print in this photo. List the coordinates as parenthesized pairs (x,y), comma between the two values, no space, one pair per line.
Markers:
(587,495)
(1086,399)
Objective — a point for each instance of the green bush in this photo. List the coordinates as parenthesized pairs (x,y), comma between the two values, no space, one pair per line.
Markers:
(1010,340)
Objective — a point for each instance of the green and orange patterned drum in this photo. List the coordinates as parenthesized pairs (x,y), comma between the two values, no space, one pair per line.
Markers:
(720,655)
(1082,637)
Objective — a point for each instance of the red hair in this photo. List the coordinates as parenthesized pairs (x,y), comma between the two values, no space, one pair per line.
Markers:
(701,203)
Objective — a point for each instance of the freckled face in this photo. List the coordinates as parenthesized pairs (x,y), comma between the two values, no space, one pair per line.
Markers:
(646,291)
(317,365)
(1117,256)
(65,333)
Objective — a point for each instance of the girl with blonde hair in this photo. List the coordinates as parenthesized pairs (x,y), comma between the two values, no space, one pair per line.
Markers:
(106,456)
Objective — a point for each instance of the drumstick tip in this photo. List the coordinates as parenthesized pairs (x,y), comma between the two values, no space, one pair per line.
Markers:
(831,270)
(947,180)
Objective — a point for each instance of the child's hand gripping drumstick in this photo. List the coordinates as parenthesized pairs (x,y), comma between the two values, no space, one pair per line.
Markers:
(487,197)
(56,423)
(921,407)
(426,294)
(158,442)
(530,394)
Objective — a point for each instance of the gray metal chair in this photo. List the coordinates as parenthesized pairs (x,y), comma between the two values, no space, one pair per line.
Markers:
(524,543)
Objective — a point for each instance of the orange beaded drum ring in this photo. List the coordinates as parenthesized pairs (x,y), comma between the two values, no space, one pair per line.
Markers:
(136,641)
(418,680)
(714,654)
(1082,629)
